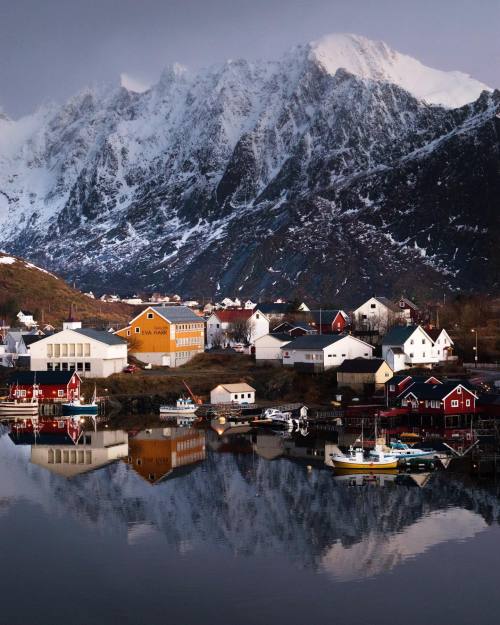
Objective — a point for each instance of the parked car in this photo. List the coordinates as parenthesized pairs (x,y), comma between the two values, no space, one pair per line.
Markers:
(130,369)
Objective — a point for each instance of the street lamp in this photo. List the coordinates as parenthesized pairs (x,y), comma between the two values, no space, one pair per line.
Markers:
(475,348)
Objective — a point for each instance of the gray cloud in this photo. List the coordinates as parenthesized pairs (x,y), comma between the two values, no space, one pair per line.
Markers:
(51,49)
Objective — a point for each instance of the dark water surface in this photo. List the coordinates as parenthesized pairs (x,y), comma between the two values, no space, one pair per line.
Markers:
(238,538)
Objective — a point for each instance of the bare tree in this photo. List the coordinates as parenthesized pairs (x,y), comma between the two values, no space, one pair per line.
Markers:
(240,331)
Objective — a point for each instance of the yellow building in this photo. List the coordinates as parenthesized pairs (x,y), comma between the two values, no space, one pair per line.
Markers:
(364,374)
(165,335)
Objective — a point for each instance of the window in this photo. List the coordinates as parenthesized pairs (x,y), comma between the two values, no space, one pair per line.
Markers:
(71,349)
(423,354)
(236,396)
(151,315)
(423,341)
(64,349)
(454,403)
(86,350)
(363,316)
(249,395)
(137,330)
(242,395)
(128,332)
(343,355)
(79,366)
(64,366)
(257,316)
(411,355)
(373,305)
(459,390)
(57,350)
(87,366)
(411,341)
(335,355)
(79,349)
(467,403)
(392,387)
(60,392)
(366,355)
(57,367)
(49,350)
(50,366)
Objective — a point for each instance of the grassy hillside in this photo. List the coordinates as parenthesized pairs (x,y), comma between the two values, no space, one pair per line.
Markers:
(25,286)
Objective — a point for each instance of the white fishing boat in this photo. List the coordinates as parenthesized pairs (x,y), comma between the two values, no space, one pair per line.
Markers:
(78,407)
(400,450)
(183,406)
(279,417)
(355,459)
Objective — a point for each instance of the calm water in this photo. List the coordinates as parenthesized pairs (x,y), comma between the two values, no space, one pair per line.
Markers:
(247,535)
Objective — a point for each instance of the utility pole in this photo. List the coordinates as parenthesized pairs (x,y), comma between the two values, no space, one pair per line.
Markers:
(475,348)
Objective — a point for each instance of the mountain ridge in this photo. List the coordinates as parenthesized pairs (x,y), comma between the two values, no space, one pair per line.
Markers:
(256,178)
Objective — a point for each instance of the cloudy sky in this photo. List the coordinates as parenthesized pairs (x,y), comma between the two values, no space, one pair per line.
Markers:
(49,49)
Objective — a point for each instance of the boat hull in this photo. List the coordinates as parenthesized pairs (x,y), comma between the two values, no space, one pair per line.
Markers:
(70,410)
(18,410)
(390,463)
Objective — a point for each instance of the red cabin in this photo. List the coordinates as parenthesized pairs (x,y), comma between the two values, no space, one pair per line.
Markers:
(329,321)
(46,385)
(399,383)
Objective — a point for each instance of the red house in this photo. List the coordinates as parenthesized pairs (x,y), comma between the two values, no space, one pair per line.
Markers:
(329,321)
(410,310)
(49,385)
(450,404)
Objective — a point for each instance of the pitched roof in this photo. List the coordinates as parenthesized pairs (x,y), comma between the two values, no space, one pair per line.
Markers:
(315,341)
(361,365)
(397,350)
(279,308)
(240,387)
(398,335)
(387,302)
(101,335)
(28,339)
(408,302)
(41,377)
(281,336)
(326,316)
(229,316)
(177,314)
(421,390)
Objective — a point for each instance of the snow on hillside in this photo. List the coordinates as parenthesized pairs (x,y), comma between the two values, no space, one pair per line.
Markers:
(376,60)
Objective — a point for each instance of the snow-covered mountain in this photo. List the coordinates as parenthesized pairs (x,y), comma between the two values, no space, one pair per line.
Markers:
(340,169)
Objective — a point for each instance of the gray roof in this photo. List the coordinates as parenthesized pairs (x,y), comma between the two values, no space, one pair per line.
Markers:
(398,335)
(177,314)
(326,316)
(101,335)
(361,365)
(314,341)
(281,336)
(387,302)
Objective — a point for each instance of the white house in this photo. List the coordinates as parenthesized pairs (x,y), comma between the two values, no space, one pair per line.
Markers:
(240,393)
(408,346)
(26,318)
(268,347)
(443,345)
(228,327)
(324,351)
(93,353)
(377,314)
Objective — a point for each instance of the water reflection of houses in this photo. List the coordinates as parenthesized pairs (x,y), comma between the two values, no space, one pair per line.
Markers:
(158,453)
(306,448)
(93,450)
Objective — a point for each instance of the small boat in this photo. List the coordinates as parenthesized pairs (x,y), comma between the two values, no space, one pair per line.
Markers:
(278,417)
(182,406)
(16,408)
(76,407)
(361,478)
(402,450)
(355,459)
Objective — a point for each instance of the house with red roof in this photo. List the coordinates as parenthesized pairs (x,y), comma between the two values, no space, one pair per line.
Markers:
(226,328)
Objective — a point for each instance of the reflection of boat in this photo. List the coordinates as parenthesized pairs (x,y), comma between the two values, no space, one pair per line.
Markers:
(16,408)
(183,406)
(402,450)
(357,478)
(278,417)
(355,459)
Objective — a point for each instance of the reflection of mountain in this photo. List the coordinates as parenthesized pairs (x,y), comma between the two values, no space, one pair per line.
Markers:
(375,554)
(248,505)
